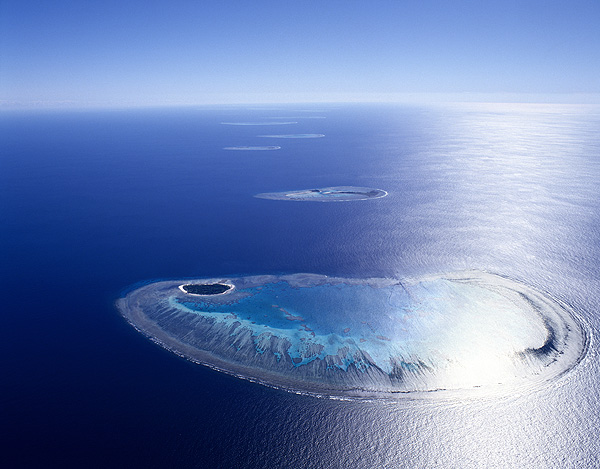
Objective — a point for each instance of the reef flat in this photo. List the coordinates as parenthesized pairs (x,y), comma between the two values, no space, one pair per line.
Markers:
(259,123)
(294,136)
(326,194)
(255,148)
(363,337)
(299,117)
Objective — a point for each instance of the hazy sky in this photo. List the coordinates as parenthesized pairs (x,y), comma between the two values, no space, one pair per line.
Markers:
(221,51)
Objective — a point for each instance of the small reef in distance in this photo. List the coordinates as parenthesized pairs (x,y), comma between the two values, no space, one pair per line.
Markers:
(326,194)
(294,136)
(364,338)
(254,148)
(260,123)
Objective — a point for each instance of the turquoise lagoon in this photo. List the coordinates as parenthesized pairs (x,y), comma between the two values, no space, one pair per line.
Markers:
(364,337)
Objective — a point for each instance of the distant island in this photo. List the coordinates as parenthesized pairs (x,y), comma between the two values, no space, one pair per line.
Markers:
(294,136)
(255,148)
(326,194)
(258,123)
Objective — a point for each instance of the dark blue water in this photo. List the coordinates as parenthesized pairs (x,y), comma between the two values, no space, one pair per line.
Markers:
(93,202)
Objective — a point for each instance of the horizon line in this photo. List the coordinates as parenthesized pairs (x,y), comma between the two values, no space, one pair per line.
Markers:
(346,98)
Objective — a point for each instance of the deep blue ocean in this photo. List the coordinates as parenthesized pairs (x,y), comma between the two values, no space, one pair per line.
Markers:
(93,202)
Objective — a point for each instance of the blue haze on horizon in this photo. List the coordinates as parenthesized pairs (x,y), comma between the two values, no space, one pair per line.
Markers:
(134,53)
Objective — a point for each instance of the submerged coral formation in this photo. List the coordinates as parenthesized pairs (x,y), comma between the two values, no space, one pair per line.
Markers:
(362,337)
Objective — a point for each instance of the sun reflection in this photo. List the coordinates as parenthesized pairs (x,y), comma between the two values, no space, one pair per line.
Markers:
(484,366)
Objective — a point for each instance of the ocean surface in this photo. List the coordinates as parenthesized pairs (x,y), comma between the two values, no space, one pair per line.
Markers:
(96,203)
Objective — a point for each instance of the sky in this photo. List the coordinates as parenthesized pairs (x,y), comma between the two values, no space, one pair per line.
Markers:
(155,53)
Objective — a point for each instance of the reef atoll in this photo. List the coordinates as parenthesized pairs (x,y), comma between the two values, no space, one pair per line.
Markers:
(326,194)
(362,337)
